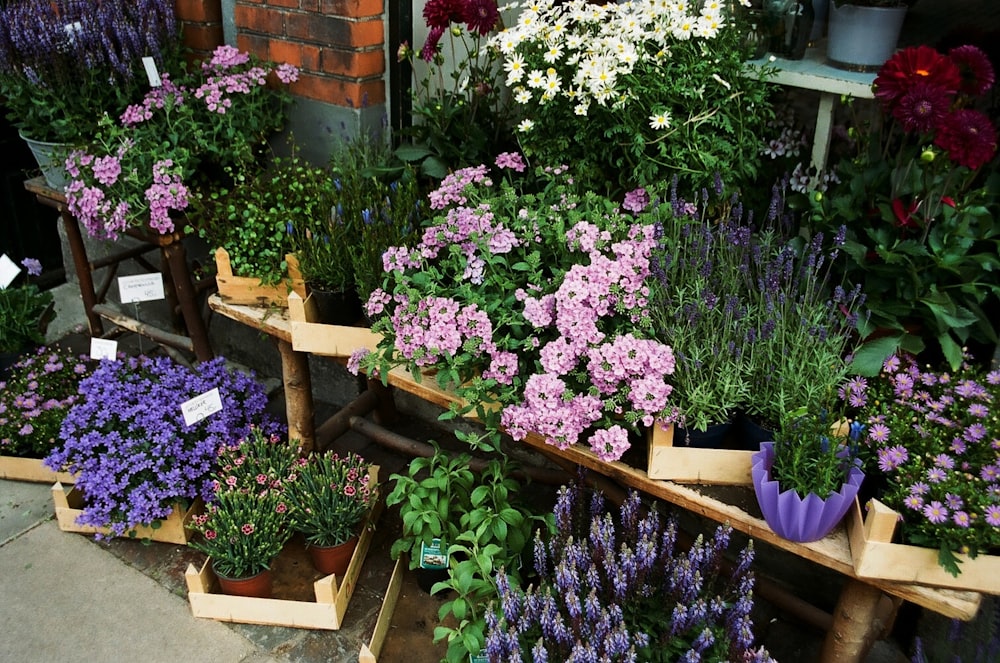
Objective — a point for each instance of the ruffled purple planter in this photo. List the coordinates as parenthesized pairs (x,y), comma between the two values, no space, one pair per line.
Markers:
(790,516)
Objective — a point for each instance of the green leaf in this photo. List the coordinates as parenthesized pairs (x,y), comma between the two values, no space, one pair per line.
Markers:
(412,152)
(868,359)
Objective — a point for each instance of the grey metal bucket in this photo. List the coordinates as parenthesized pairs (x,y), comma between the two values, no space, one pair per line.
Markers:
(862,38)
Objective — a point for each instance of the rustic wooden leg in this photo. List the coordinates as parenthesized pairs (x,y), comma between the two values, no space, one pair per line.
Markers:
(856,624)
(385,410)
(180,276)
(82,265)
(298,395)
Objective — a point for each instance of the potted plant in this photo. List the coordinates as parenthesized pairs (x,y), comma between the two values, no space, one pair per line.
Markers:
(245,524)
(256,217)
(921,238)
(931,439)
(34,399)
(631,96)
(330,496)
(863,33)
(617,572)
(139,171)
(808,477)
(548,290)
(65,64)
(128,440)
(24,315)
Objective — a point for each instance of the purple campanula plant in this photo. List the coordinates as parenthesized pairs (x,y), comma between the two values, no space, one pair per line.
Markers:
(531,306)
(65,63)
(935,437)
(34,399)
(621,589)
(127,438)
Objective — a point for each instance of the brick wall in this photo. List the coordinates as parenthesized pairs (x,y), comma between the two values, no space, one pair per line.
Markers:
(201,25)
(339,45)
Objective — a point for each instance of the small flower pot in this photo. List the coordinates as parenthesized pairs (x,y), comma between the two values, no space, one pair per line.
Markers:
(713,437)
(333,559)
(336,307)
(791,516)
(256,586)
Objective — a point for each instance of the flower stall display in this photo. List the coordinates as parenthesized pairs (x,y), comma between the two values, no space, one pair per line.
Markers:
(129,441)
(636,93)
(245,524)
(934,438)
(24,311)
(531,307)
(34,399)
(617,588)
(142,167)
(65,63)
(921,234)
(330,495)
(809,476)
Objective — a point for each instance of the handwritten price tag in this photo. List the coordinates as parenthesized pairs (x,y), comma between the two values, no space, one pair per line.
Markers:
(140,288)
(103,348)
(8,271)
(152,74)
(202,406)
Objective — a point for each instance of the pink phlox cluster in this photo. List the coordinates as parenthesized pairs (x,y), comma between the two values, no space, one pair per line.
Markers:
(610,443)
(287,73)
(167,193)
(438,327)
(400,258)
(452,188)
(586,236)
(376,303)
(539,311)
(225,57)
(89,205)
(155,99)
(511,160)
(552,411)
(107,169)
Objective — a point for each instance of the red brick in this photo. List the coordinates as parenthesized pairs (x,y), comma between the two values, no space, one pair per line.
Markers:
(203,38)
(199,11)
(260,20)
(287,4)
(350,94)
(353,64)
(311,57)
(334,30)
(285,51)
(256,44)
(309,6)
(354,8)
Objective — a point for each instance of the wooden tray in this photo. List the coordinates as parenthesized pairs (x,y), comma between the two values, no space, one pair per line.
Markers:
(31,469)
(875,556)
(247,290)
(725,467)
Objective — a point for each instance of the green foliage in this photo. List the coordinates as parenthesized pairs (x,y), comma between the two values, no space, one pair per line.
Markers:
(22,311)
(814,452)
(329,496)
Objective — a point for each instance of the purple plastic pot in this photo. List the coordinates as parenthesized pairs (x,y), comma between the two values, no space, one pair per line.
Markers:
(795,518)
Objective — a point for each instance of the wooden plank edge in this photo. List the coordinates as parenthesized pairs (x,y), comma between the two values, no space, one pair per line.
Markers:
(172,530)
(724,467)
(14,468)
(350,580)
(370,652)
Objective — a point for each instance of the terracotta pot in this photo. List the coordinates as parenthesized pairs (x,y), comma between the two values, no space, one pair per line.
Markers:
(257,586)
(333,559)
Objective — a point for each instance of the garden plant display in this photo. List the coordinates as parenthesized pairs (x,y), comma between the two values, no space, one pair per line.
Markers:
(329,495)
(549,293)
(22,309)
(127,438)
(935,438)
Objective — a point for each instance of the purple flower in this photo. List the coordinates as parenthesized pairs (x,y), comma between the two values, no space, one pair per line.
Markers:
(993,515)
(936,512)
(33,266)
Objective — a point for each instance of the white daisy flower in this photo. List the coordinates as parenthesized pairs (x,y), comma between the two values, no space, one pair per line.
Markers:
(659,121)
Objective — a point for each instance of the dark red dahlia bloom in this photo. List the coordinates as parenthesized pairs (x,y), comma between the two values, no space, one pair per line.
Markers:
(968,136)
(481,15)
(975,69)
(442,13)
(430,46)
(922,107)
(913,64)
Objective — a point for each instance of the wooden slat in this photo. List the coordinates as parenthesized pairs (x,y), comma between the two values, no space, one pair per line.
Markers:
(31,469)
(724,467)
(370,652)
(271,321)
(249,290)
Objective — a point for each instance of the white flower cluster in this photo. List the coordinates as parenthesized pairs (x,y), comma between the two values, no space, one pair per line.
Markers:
(587,50)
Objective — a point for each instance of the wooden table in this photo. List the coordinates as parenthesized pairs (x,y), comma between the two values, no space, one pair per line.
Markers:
(855,619)
(181,292)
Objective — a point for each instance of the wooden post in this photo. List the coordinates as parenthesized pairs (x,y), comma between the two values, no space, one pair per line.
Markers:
(856,624)
(176,258)
(298,395)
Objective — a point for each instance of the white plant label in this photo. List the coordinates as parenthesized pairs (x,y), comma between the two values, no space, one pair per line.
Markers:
(152,73)
(8,271)
(103,348)
(140,288)
(202,406)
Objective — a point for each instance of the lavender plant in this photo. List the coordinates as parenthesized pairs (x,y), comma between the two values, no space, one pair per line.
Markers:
(625,592)
(127,438)
(34,399)
(65,63)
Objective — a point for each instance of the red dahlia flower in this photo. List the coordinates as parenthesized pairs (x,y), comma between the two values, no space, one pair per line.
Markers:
(975,69)
(911,65)
(442,13)
(481,15)
(968,136)
(922,107)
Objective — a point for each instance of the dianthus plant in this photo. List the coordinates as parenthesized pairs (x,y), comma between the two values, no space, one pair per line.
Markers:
(531,306)
(127,438)
(935,436)
(636,92)
(140,168)
(41,388)
(625,591)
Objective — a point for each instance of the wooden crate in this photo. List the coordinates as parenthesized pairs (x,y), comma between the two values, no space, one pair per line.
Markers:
(31,469)
(730,467)
(326,612)
(69,506)
(370,651)
(326,340)
(875,556)
(247,290)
